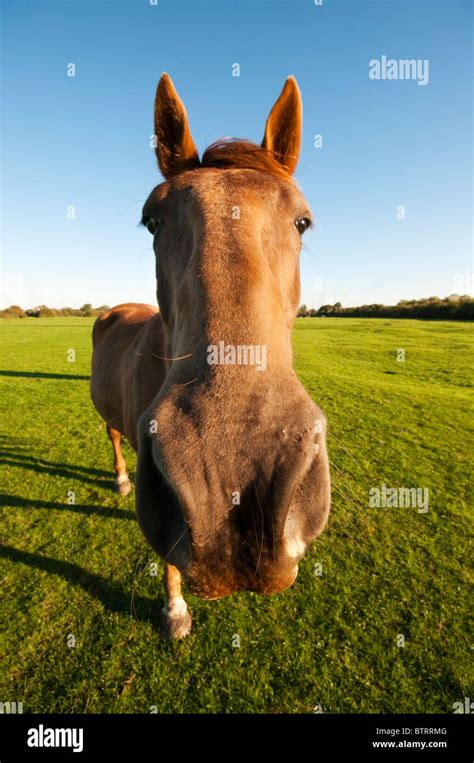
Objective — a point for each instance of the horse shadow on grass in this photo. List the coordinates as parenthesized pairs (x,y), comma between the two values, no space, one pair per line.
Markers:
(87,474)
(14,453)
(18,502)
(113,597)
(43,375)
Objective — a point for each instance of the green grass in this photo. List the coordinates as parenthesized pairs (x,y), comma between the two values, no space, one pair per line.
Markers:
(331,640)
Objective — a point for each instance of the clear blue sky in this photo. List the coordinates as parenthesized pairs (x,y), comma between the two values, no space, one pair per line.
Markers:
(84,141)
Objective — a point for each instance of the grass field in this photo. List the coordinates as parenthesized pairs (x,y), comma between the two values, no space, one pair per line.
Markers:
(81,569)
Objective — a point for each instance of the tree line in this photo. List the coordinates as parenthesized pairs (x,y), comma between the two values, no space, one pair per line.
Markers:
(43,311)
(454,307)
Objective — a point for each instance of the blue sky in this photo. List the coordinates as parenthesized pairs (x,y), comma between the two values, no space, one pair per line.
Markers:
(84,141)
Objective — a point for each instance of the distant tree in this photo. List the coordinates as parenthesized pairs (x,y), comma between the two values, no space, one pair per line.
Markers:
(14,311)
(46,312)
(326,310)
(303,311)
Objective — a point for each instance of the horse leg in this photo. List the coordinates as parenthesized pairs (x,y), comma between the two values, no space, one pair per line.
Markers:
(176,619)
(122,483)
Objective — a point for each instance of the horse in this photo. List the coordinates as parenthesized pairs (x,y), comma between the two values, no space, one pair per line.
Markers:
(232,478)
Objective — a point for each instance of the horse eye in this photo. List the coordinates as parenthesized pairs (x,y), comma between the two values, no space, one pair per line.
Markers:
(153,225)
(302,224)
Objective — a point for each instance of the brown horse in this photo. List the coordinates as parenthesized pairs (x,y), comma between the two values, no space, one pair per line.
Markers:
(232,478)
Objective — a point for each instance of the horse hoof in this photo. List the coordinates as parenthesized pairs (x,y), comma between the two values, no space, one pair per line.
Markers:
(122,485)
(175,626)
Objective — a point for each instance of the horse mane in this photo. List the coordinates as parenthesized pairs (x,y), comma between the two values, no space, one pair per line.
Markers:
(235,153)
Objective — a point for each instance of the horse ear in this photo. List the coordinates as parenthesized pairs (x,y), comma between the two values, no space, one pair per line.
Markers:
(175,149)
(283,127)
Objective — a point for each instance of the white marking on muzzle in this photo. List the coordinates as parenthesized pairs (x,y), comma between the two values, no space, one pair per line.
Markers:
(294,543)
(295,547)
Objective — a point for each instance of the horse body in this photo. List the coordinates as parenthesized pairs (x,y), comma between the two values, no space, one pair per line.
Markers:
(232,479)
(128,366)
